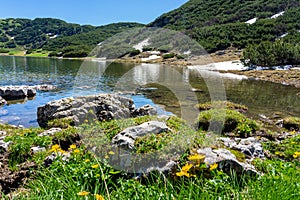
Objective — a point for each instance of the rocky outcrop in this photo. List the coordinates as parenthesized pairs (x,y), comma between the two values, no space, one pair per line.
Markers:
(22,91)
(2,101)
(249,146)
(16,92)
(101,107)
(127,137)
(144,110)
(226,161)
(44,87)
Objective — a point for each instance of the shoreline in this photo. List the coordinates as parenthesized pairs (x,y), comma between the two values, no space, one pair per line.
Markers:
(209,62)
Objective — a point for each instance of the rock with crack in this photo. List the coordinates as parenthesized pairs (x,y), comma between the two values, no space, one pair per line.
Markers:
(251,147)
(226,161)
(127,137)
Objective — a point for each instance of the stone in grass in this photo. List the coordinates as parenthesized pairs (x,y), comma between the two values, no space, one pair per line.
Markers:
(50,132)
(127,137)
(226,161)
(37,149)
(291,123)
(4,145)
(248,146)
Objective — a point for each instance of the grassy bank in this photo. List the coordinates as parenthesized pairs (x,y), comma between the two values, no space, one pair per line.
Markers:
(77,173)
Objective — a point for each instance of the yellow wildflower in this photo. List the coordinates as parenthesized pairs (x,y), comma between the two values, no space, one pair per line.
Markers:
(296,154)
(55,148)
(106,157)
(187,167)
(196,157)
(214,166)
(184,171)
(73,146)
(87,160)
(76,151)
(293,142)
(61,151)
(83,193)
(99,197)
(111,153)
(95,166)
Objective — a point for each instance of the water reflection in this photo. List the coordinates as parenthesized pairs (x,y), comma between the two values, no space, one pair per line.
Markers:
(172,87)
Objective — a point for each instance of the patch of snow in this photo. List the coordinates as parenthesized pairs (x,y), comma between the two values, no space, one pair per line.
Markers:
(251,21)
(154,52)
(227,65)
(54,36)
(152,57)
(277,15)
(187,52)
(282,36)
(140,45)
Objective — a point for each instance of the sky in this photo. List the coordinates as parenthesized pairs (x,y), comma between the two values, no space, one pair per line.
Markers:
(94,12)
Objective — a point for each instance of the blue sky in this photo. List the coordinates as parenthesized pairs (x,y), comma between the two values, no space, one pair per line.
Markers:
(95,12)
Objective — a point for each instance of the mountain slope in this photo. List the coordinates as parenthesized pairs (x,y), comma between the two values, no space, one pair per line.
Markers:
(219,24)
(54,34)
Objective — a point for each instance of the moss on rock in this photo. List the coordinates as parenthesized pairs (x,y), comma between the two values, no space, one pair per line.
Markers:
(230,120)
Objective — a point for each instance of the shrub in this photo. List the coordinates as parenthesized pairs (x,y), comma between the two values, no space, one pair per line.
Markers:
(4,51)
(134,52)
(169,55)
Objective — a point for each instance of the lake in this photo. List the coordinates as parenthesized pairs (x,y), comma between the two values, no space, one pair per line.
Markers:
(171,89)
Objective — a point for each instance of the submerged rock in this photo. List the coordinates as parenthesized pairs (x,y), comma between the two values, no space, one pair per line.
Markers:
(101,107)
(226,161)
(127,137)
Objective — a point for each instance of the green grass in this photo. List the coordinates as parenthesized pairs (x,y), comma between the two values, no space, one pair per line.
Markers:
(83,171)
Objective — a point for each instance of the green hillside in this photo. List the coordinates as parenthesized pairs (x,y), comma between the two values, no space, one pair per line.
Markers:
(217,25)
(55,35)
